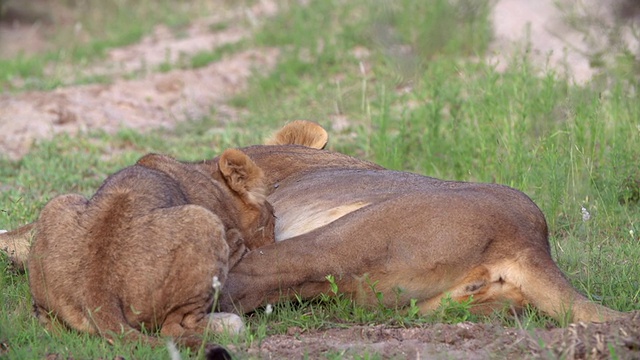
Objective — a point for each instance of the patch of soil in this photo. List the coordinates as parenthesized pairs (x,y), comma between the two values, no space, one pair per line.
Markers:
(459,341)
(23,26)
(150,101)
(541,29)
(158,100)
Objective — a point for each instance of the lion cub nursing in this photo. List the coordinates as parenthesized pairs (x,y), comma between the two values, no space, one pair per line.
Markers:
(144,250)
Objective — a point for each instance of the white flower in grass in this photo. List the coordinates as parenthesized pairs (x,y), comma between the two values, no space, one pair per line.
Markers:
(363,70)
(216,283)
(585,214)
(268,309)
(3,231)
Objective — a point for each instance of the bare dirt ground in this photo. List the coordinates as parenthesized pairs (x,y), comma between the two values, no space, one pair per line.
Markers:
(152,100)
(460,341)
(155,99)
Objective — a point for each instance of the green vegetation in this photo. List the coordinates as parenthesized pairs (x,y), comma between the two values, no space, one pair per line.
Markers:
(398,83)
(83,32)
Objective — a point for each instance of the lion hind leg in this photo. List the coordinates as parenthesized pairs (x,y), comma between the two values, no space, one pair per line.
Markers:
(190,240)
(48,279)
(187,330)
(529,279)
(544,286)
(106,320)
(199,260)
(92,323)
(485,287)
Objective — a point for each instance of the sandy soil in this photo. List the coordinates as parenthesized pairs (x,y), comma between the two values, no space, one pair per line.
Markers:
(162,99)
(155,99)
(542,27)
(459,341)
(149,101)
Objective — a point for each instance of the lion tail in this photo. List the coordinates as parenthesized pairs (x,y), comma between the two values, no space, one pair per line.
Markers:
(16,244)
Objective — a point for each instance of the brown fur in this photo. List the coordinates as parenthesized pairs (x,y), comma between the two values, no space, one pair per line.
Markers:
(412,236)
(406,235)
(143,251)
(300,132)
(16,243)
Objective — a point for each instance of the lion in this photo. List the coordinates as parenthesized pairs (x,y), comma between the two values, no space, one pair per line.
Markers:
(403,236)
(150,249)
(399,237)
(16,243)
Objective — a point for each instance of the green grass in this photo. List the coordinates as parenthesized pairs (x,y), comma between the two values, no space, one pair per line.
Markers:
(84,31)
(423,104)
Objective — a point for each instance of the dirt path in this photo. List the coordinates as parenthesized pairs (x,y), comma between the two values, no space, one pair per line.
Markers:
(152,100)
(156,99)
(539,23)
(543,27)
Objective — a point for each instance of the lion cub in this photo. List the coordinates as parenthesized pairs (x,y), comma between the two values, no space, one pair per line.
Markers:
(144,251)
(16,243)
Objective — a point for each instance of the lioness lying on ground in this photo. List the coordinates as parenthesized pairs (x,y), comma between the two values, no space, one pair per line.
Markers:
(403,235)
(144,251)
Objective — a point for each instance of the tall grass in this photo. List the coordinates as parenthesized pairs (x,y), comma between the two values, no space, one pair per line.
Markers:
(419,101)
(402,84)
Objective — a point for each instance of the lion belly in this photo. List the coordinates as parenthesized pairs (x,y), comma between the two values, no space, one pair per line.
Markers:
(305,218)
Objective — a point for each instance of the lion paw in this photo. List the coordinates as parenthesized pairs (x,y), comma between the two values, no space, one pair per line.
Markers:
(226,322)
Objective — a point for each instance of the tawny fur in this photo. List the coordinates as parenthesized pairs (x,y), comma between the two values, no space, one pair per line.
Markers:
(300,132)
(16,243)
(143,251)
(414,237)
(402,235)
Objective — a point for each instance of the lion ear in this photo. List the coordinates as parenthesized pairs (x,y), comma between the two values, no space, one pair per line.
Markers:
(300,132)
(243,176)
